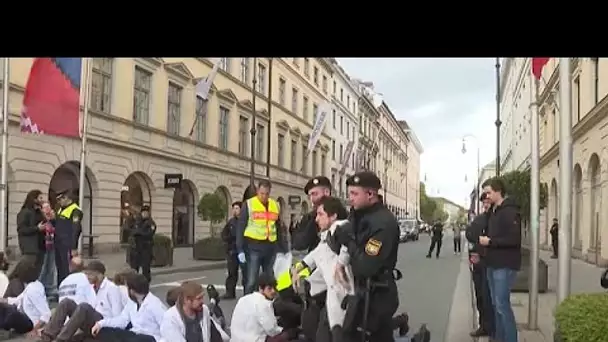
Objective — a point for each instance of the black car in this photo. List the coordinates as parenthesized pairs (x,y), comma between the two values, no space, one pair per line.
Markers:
(408,230)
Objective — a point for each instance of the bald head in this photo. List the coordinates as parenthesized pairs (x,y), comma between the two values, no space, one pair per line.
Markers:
(76,264)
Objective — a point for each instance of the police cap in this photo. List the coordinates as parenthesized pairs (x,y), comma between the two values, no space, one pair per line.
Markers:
(366,179)
(145,207)
(317,181)
(64,192)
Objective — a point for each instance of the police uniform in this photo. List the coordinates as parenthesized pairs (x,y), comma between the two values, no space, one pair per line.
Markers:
(68,227)
(373,245)
(142,237)
(306,237)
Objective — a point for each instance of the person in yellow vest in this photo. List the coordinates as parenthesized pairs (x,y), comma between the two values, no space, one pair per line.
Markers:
(67,232)
(258,234)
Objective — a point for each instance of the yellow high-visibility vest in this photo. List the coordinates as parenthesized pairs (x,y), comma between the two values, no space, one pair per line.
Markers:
(67,212)
(284,279)
(261,225)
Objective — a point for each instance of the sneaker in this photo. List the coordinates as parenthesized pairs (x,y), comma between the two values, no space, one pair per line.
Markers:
(479,333)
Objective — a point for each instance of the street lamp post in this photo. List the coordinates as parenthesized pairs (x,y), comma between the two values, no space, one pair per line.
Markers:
(253,124)
(464,151)
(497,122)
(386,166)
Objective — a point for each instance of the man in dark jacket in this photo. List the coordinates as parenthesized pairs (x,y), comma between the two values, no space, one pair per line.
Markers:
(554,241)
(503,256)
(436,239)
(30,229)
(306,237)
(483,299)
(142,233)
(232,263)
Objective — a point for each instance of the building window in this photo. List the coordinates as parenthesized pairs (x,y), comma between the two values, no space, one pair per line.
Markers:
(281,150)
(341,125)
(314,163)
(224,116)
(333,182)
(282,86)
(296,62)
(225,64)
(294,151)
(306,67)
(201,119)
(243,135)
(141,96)
(101,84)
(341,152)
(305,108)
(324,84)
(341,95)
(333,150)
(304,159)
(174,109)
(323,164)
(347,130)
(259,142)
(315,112)
(315,76)
(596,80)
(262,78)
(333,118)
(577,98)
(245,70)
(294,100)
(334,90)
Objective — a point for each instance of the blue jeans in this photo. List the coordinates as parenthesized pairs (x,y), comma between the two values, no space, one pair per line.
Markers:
(500,281)
(47,274)
(263,258)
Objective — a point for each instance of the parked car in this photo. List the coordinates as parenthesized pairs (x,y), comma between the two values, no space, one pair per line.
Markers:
(408,230)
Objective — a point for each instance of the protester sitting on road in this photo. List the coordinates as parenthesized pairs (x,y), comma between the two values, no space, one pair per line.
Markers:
(120,279)
(144,313)
(16,279)
(106,303)
(3,278)
(31,302)
(253,319)
(189,319)
(173,295)
(76,286)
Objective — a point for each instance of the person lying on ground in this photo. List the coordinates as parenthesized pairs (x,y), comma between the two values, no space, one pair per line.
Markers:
(189,319)
(106,303)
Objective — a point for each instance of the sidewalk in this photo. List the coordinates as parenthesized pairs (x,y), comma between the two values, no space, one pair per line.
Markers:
(585,279)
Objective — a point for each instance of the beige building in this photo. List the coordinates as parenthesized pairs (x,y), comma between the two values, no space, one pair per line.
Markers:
(452,209)
(141,112)
(590,154)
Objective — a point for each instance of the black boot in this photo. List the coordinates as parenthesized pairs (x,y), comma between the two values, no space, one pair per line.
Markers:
(337,334)
(479,333)
(423,335)
(401,322)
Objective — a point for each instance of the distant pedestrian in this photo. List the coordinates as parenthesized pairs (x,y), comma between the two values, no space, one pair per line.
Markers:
(232,262)
(503,256)
(142,233)
(554,238)
(457,236)
(436,239)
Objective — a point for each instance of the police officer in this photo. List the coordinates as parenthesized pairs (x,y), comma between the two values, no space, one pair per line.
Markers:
(232,263)
(436,239)
(306,237)
(142,236)
(372,244)
(68,227)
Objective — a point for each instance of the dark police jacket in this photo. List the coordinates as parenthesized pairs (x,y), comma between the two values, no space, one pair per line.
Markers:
(142,231)
(229,234)
(477,228)
(68,227)
(306,236)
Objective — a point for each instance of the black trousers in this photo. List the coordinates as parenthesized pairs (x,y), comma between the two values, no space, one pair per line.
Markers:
(457,244)
(13,319)
(233,265)
(141,258)
(122,335)
(435,242)
(62,262)
(555,245)
(483,299)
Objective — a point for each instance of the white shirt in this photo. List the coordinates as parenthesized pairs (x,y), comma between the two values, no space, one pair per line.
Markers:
(173,329)
(253,319)
(32,302)
(3,283)
(145,320)
(124,290)
(109,299)
(77,287)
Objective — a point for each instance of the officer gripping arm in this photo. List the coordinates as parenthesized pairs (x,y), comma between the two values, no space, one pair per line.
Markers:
(378,251)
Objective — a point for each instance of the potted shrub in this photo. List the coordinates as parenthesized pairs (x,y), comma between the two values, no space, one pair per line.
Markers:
(212,208)
(162,251)
(582,318)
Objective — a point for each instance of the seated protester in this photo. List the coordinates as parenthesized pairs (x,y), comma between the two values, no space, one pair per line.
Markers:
(253,319)
(144,314)
(16,282)
(29,311)
(189,319)
(106,303)
(324,258)
(120,279)
(173,295)
(3,278)
(76,286)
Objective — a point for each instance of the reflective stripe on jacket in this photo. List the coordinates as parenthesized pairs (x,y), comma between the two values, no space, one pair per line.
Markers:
(261,225)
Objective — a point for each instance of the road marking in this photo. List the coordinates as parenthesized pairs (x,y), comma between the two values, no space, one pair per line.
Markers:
(175,283)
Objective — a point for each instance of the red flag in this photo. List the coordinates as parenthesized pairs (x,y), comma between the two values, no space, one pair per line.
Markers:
(538,63)
(51,103)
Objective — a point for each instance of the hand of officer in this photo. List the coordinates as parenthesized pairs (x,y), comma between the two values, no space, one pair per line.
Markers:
(95,329)
(41,226)
(242,258)
(484,240)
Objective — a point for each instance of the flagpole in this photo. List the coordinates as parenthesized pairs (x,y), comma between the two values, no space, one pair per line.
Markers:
(253,123)
(3,178)
(84,95)
(565,181)
(534,203)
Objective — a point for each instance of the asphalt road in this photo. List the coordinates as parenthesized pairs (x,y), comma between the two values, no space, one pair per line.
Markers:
(425,292)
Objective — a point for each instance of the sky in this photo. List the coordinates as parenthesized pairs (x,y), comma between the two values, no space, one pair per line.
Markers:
(443,100)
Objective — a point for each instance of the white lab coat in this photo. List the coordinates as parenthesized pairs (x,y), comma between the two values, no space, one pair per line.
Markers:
(32,302)
(109,302)
(146,320)
(3,283)
(324,261)
(78,288)
(253,319)
(124,290)
(173,329)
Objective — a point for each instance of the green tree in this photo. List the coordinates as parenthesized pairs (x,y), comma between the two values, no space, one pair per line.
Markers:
(439,214)
(213,208)
(462,217)
(517,184)
(428,205)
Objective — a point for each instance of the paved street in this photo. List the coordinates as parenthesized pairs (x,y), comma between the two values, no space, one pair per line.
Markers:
(425,291)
